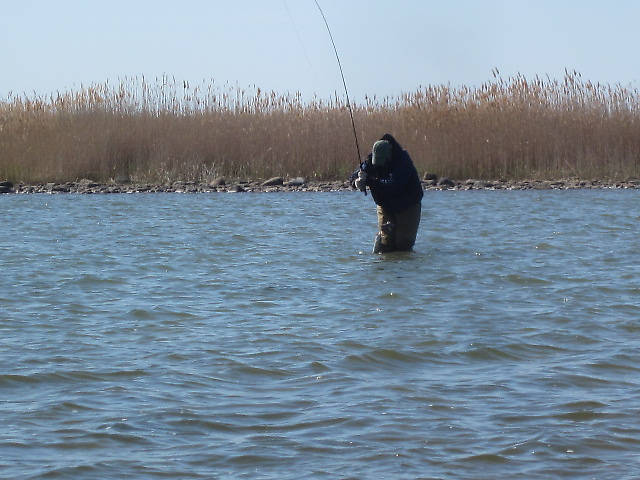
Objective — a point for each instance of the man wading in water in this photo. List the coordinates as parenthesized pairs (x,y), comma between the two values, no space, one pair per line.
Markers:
(395,187)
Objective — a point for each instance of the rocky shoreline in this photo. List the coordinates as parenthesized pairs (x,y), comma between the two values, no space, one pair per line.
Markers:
(279,184)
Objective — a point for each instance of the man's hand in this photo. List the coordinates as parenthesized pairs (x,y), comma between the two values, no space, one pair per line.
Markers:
(361,181)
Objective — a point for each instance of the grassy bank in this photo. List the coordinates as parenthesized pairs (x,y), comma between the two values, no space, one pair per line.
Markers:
(166,130)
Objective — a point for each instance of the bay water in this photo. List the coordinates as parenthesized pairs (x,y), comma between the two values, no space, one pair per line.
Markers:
(217,335)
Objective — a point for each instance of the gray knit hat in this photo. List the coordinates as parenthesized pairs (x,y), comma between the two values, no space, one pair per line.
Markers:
(381,153)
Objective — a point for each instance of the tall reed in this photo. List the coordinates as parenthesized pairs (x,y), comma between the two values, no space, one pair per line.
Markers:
(168,130)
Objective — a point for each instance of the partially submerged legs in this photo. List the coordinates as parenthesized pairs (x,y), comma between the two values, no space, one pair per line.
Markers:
(398,230)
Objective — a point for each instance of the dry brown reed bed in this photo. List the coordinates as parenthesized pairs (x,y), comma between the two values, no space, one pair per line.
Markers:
(167,130)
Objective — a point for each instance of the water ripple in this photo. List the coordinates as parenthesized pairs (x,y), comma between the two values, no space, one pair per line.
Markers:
(214,336)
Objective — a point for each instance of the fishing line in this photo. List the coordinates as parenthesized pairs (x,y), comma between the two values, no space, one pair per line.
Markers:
(353,123)
(302,45)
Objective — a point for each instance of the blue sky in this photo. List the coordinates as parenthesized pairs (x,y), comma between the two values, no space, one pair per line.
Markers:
(386,48)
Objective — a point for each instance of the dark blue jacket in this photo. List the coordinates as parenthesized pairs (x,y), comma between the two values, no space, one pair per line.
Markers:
(399,187)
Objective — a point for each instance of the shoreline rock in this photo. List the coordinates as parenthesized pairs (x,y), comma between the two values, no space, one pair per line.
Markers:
(300,185)
(272,182)
(6,187)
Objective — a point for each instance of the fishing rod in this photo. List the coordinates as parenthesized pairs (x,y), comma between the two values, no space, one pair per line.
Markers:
(353,123)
